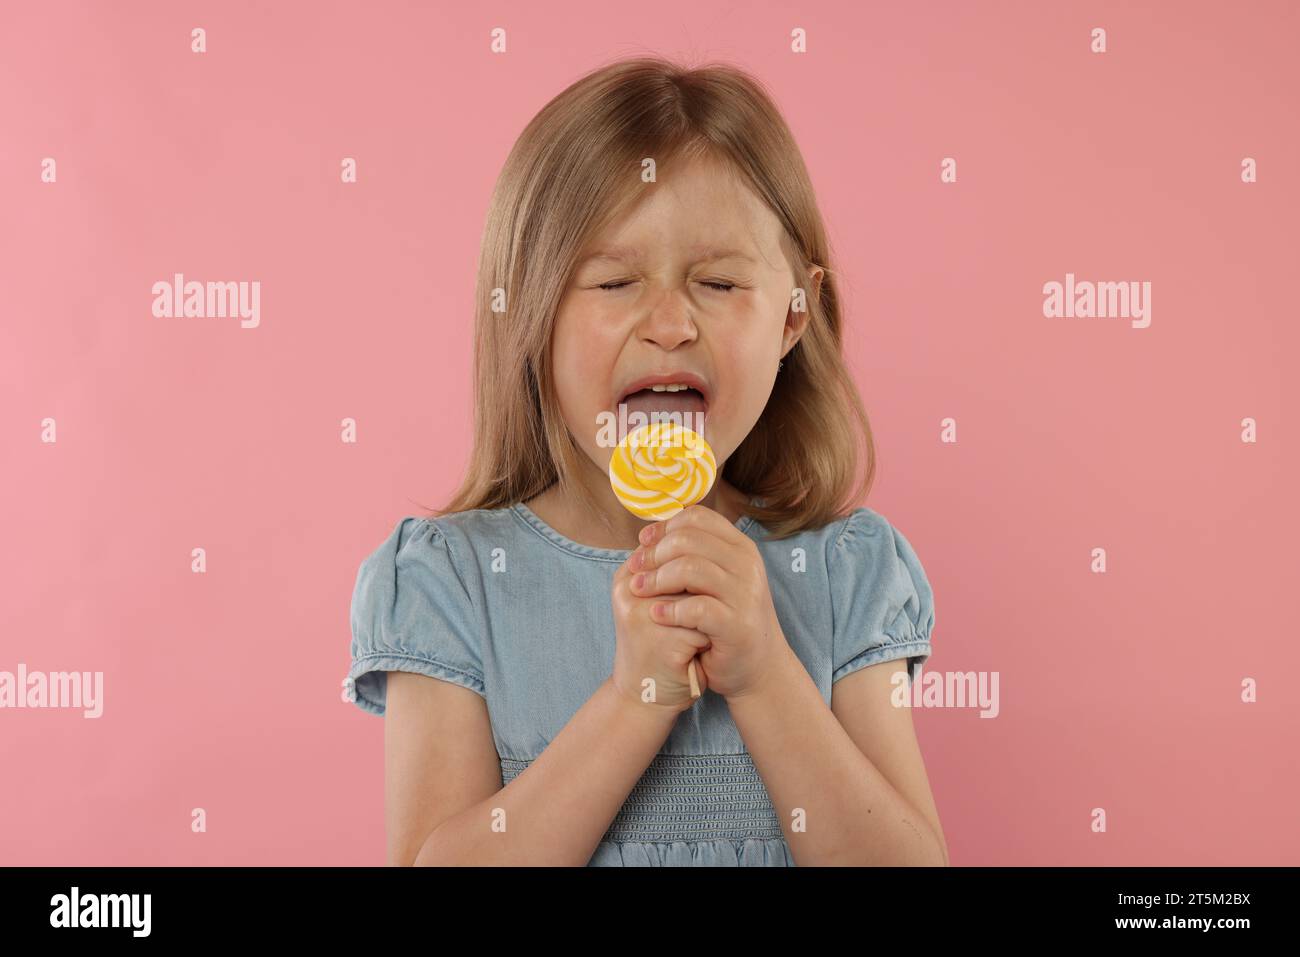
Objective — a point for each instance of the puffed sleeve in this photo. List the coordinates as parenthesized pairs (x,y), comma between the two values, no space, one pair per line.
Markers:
(882,606)
(411,611)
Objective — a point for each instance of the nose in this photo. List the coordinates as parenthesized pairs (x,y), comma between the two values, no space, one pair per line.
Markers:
(669,323)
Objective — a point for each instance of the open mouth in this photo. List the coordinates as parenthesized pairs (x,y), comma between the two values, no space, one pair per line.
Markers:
(677,399)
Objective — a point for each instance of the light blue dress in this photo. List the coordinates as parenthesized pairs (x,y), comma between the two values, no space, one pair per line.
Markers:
(499,602)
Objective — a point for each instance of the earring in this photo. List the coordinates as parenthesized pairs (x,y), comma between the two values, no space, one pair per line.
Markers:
(778,365)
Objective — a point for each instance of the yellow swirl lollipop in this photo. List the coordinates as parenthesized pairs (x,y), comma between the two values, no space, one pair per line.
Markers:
(660,469)
(657,471)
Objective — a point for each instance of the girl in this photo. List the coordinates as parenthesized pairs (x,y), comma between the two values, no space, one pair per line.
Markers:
(653,227)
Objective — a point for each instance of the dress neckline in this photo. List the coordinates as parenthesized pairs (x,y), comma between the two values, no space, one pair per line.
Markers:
(620,555)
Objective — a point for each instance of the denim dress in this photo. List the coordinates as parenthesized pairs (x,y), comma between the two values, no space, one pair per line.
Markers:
(497,601)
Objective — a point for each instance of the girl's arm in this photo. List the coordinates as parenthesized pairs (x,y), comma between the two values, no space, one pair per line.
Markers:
(854,769)
(445,802)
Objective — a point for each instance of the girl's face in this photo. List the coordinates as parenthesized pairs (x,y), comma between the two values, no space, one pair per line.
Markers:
(692,283)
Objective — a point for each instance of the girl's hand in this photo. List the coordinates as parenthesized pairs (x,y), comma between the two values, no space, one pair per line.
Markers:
(649,649)
(699,552)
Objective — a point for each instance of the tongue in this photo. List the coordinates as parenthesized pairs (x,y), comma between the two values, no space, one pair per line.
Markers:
(686,404)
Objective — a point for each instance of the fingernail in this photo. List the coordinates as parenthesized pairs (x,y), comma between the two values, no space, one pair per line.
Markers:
(638,581)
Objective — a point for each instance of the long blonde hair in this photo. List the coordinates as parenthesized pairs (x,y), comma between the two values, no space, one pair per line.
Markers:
(577,167)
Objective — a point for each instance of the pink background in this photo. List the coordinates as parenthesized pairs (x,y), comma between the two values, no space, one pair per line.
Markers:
(222,690)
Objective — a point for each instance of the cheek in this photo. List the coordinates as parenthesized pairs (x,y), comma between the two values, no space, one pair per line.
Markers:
(751,350)
(583,354)
(567,354)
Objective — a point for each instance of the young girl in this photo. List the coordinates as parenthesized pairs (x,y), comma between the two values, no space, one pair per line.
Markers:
(653,227)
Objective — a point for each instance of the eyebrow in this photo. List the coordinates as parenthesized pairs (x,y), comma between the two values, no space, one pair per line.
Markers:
(628,254)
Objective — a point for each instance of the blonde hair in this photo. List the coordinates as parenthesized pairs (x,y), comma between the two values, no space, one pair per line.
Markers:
(577,167)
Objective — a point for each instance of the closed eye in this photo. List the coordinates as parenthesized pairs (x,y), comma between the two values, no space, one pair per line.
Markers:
(718,286)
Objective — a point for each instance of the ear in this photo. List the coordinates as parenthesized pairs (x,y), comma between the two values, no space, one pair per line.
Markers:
(797,322)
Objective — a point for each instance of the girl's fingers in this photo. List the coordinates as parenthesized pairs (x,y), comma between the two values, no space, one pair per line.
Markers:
(625,570)
(704,613)
(667,631)
(700,518)
(689,573)
(688,541)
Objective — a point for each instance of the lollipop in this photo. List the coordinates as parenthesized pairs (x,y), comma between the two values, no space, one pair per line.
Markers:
(657,471)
